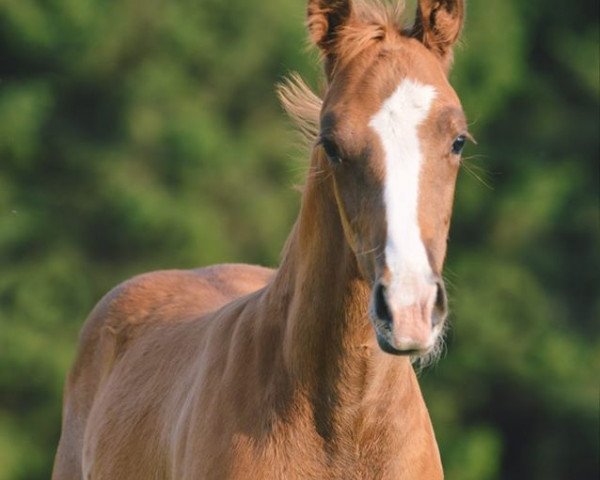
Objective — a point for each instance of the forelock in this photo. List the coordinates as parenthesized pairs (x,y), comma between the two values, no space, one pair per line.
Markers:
(374,22)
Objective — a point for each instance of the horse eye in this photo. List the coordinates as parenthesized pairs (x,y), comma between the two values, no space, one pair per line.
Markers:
(459,144)
(331,150)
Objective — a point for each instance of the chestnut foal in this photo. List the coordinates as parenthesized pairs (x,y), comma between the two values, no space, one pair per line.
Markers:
(239,372)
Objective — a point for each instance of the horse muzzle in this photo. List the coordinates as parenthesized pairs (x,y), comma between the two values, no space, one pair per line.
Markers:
(408,320)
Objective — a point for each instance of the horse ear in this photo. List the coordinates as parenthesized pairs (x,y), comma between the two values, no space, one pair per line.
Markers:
(325,18)
(438,25)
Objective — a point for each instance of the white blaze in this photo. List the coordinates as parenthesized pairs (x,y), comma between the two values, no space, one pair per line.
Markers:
(397,126)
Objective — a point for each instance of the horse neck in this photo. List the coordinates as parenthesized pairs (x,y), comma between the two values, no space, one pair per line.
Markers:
(329,346)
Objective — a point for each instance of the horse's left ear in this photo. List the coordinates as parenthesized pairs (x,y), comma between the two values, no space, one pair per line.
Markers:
(438,25)
(325,19)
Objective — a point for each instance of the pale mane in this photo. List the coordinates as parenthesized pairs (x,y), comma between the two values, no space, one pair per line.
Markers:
(301,104)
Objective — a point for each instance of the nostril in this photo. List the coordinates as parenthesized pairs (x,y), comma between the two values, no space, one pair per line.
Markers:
(382,310)
(441,305)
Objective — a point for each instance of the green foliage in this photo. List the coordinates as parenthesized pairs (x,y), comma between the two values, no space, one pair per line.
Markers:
(138,135)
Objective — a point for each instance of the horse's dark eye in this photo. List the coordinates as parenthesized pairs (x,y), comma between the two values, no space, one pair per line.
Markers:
(331,150)
(459,144)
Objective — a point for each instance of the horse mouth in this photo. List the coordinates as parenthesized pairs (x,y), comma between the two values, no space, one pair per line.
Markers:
(383,333)
(387,348)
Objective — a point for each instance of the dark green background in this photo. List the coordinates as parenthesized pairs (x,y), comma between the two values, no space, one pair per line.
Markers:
(142,134)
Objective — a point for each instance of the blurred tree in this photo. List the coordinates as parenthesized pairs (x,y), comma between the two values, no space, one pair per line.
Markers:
(138,135)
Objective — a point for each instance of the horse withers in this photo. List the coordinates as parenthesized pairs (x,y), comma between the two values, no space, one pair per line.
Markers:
(240,372)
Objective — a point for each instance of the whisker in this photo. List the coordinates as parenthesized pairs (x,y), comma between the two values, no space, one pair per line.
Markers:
(473,171)
(450,284)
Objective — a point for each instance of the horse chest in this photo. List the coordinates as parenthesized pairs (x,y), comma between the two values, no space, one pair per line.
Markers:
(296,450)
